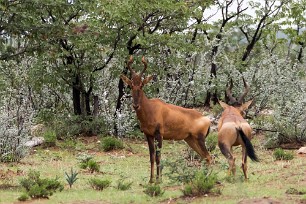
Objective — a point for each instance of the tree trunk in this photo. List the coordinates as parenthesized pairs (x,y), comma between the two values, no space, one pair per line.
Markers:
(76,96)
(95,106)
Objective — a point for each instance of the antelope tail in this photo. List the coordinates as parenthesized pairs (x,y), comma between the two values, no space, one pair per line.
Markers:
(249,147)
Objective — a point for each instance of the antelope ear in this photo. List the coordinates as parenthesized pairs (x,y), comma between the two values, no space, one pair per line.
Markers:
(146,80)
(245,106)
(223,105)
(126,80)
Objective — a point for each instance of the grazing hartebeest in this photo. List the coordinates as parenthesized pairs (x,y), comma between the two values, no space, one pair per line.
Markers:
(233,130)
(159,120)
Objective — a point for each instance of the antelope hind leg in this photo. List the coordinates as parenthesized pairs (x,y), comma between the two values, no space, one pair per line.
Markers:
(244,165)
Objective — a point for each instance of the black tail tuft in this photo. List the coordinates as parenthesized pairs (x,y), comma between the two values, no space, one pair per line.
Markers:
(249,147)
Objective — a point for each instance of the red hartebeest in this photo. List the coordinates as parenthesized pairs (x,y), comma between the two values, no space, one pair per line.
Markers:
(159,120)
(233,130)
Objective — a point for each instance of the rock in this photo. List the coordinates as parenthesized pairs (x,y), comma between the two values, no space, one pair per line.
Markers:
(35,141)
(302,150)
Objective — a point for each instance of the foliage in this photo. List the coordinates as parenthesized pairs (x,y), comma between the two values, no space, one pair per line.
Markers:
(72,177)
(99,184)
(181,170)
(153,190)
(202,183)
(37,187)
(78,125)
(295,191)
(87,161)
(49,138)
(211,141)
(123,184)
(280,154)
(23,197)
(111,143)
(79,50)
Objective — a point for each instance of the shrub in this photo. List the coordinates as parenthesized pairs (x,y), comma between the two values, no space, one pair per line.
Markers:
(111,143)
(180,170)
(123,185)
(153,190)
(86,161)
(295,191)
(50,138)
(280,154)
(23,197)
(99,184)
(211,141)
(93,166)
(40,188)
(202,183)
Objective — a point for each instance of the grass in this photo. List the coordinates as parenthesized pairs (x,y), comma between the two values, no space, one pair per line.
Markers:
(268,178)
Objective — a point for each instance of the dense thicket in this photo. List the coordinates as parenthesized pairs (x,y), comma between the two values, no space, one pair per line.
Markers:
(60,62)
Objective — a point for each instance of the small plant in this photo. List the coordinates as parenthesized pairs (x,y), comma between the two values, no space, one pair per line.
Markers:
(99,184)
(153,190)
(72,177)
(295,191)
(123,185)
(88,162)
(93,166)
(280,154)
(50,138)
(211,141)
(111,143)
(216,110)
(40,188)
(23,197)
(202,183)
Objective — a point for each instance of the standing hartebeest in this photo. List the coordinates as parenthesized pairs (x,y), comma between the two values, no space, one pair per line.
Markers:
(233,130)
(159,120)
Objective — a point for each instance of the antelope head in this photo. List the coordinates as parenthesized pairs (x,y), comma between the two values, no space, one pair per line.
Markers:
(136,83)
(237,102)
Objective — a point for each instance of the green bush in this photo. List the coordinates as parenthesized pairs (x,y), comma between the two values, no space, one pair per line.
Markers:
(211,141)
(123,185)
(93,166)
(99,184)
(216,110)
(111,143)
(202,183)
(40,188)
(23,197)
(153,190)
(280,154)
(50,138)
(295,191)
(79,125)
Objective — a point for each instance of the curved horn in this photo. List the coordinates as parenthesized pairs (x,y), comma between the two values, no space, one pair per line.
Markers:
(145,65)
(131,60)
(246,90)
(229,93)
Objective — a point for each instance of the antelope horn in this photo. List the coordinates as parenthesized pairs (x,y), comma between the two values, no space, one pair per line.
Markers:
(246,90)
(229,93)
(145,65)
(131,60)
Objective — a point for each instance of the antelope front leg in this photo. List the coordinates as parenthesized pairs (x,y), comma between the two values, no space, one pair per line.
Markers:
(152,156)
(158,139)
